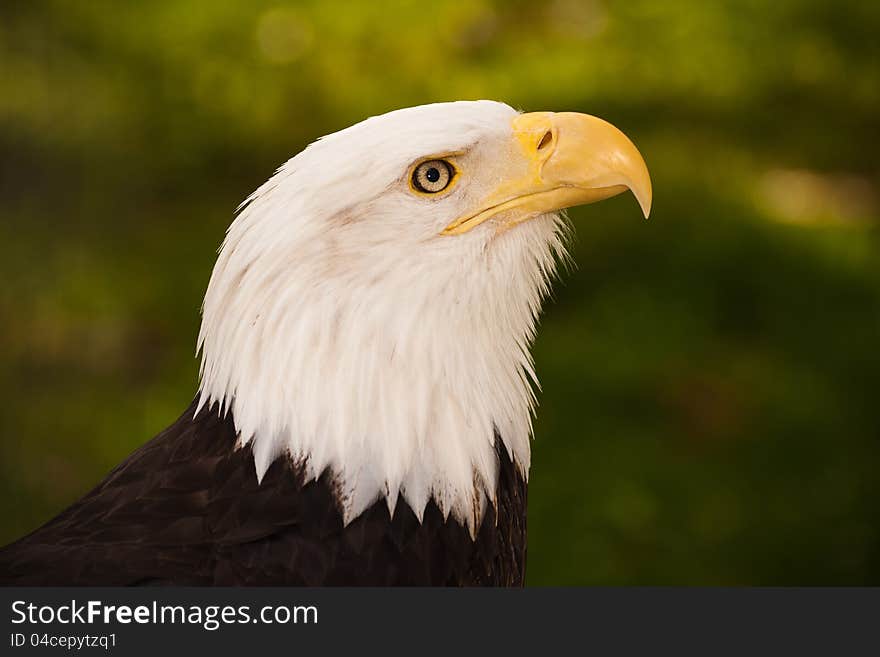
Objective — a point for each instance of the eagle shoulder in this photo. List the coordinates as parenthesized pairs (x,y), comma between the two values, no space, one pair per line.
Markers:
(187,509)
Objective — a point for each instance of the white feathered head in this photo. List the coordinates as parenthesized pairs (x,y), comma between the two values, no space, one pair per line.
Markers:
(373,304)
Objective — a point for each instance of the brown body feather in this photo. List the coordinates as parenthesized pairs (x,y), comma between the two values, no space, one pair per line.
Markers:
(186,509)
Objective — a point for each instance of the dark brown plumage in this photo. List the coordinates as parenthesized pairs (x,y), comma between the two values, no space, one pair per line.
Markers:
(186,509)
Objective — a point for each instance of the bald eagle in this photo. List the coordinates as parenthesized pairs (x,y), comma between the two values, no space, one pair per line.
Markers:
(366,385)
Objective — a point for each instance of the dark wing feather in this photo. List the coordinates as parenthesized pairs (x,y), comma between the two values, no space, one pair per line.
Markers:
(186,509)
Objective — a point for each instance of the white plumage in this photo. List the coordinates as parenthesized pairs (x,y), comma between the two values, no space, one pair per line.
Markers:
(341,327)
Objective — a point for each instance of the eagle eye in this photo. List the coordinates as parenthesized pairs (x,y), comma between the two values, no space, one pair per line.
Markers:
(432,176)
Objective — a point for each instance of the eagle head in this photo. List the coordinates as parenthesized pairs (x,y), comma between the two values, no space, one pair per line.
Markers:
(373,303)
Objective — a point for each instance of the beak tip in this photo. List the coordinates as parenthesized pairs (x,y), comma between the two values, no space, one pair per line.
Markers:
(645,201)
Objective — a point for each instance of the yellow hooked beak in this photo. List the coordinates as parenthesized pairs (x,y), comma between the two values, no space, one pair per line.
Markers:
(561,160)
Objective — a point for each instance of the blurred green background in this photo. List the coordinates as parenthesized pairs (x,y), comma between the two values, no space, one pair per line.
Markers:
(711,377)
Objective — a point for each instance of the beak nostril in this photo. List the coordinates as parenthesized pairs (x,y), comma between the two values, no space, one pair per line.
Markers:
(546,140)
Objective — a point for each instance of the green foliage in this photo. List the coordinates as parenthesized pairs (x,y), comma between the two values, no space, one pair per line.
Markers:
(709,409)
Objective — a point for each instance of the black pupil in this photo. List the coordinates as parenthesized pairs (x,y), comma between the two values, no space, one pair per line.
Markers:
(432,174)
